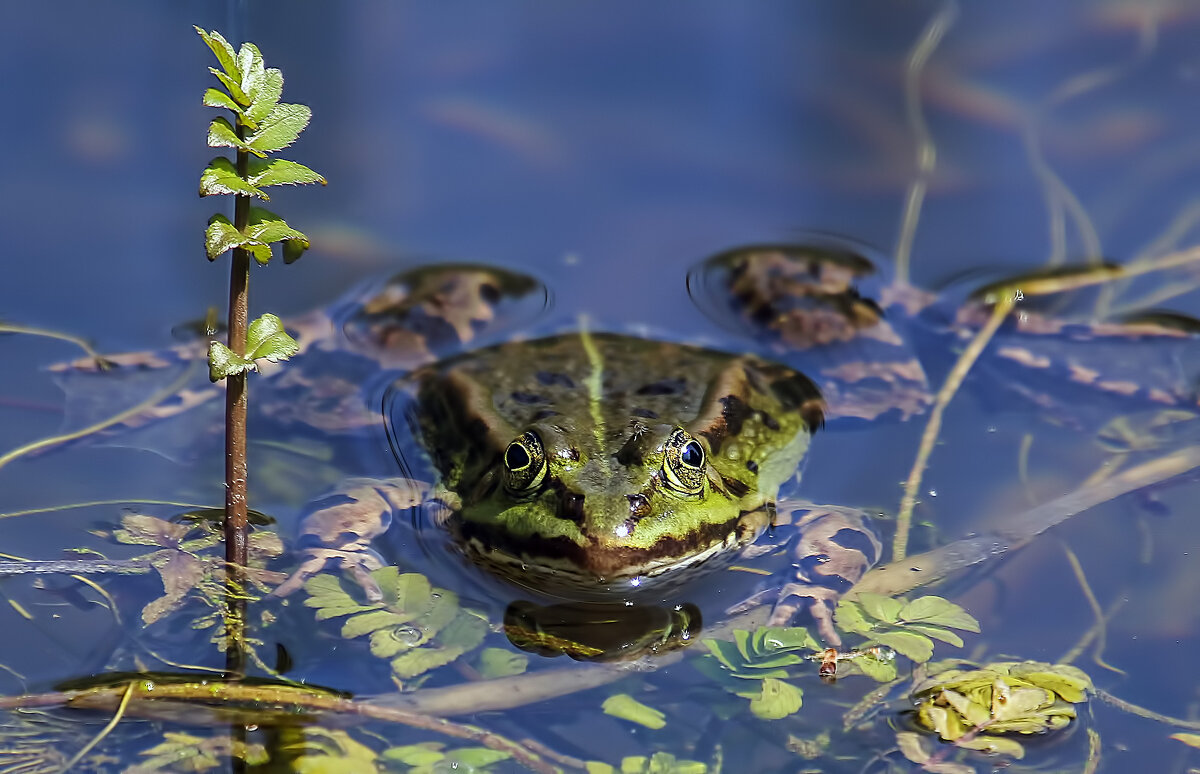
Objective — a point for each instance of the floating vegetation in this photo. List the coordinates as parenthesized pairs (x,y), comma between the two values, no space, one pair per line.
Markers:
(907,627)
(624,706)
(432,757)
(659,763)
(416,626)
(186,752)
(756,667)
(979,709)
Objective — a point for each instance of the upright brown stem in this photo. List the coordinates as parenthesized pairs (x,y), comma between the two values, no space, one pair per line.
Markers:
(235,436)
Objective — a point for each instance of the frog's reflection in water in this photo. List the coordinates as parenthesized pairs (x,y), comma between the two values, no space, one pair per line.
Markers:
(600,631)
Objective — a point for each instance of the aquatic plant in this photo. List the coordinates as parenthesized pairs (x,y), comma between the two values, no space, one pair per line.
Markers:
(261,125)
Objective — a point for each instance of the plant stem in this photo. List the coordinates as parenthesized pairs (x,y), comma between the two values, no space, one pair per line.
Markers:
(235,433)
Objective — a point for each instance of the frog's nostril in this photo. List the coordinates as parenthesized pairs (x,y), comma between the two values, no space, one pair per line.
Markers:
(639,506)
(570,507)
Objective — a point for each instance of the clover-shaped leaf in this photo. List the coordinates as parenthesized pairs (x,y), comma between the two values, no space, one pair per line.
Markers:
(776,699)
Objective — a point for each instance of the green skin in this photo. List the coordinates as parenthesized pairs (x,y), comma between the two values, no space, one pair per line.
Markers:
(647,456)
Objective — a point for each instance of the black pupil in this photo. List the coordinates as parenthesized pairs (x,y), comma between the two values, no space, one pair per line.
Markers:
(515,457)
(692,455)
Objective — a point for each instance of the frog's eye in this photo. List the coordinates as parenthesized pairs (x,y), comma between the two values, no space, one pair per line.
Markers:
(524,464)
(683,463)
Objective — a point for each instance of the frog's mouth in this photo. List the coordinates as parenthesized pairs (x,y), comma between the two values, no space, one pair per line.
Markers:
(558,563)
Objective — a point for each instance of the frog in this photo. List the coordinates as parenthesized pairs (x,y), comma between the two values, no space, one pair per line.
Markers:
(601,460)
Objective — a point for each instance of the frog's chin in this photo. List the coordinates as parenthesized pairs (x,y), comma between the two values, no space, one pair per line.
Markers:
(561,578)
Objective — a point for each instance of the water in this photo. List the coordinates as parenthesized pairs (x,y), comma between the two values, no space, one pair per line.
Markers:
(607,153)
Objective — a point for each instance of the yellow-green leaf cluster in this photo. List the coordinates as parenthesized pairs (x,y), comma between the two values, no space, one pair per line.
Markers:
(1027,697)
(261,125)
(187,752)
(755,667)
(416,627)
(909,628)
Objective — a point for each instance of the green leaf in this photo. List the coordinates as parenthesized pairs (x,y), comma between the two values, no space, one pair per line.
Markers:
(266,227)
(466,631)
(425,754)
(369,622)
(477,757)
(219,99)
(741,639)
(421,660)
(221,236)
(231,84)
(940,612)
(221,177)
(597,767)
(628,708)
(776,700)
(849,617)
(408,591)
(784,638)
(879,607)
(279,129)
(995,745)
(260,253)
(1191,740)
(972,711)
(282,172)
(223,362)
(937,633)
(293,249)
(498,662)
(250,62)
(918,647)
(265,95)
(222,50)
(221,134)
(390,641)
(266,339)
(913,746)
(726,652)
(879,671)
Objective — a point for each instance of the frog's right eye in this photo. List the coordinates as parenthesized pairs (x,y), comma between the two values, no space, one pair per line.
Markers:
(524,464)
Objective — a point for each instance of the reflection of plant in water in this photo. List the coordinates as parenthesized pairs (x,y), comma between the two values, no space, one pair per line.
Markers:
(416,627)
(187,752)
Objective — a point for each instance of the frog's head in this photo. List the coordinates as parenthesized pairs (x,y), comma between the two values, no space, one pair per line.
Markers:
(593,493)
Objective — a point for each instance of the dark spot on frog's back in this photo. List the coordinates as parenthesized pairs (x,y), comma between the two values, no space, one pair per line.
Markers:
(663,387)
(551,379)
(528,398)
(796,392)
(644,413)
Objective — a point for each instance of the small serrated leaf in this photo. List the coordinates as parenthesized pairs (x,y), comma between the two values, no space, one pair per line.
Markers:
(221,236)
(266,339)
(366,623)
(250,62)
(466,631)
(221,50)
(221,177)
(498,662)
(776,700)
(628,708)
(223,362)
(219,99)
(918,647)
(293,249)
(282,172)
(280,128)
(265,96)
(221,134)
(266,227)
(231,84)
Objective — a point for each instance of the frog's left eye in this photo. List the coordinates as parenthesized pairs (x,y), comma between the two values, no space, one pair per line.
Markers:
(683,463)
(524,464)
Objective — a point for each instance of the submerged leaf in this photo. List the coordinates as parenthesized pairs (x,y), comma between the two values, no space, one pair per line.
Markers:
(498,662)
(880,607)
(776,700)
(421,660)
(915,646)
(628,708)
(849,617)
(940,612)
